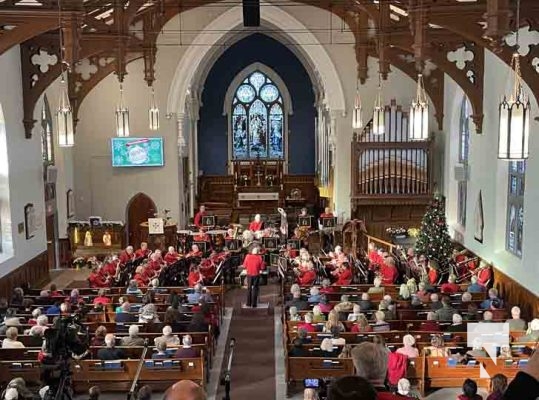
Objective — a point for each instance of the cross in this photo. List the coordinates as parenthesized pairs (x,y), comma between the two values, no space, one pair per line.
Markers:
(258,175)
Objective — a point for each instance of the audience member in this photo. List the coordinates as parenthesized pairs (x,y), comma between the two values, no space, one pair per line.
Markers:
(185,390)
(435,303)
(408,348)
(297,349)
(493,300)
(469,391)
(145,393)
(361,325)
(365,302)
(99,336)
(133,339)
(380,325)
(315,295)
(11,342)
(110,352)
(161,347)
(475,287)
(457,325)
(307,325)
(515,322)
(430,325)
(187,351)
(532,335)
(293,314)
(168,337)
(451,286)
(351,388)
(317,314)
(446,312)
(498,384)
(333,321)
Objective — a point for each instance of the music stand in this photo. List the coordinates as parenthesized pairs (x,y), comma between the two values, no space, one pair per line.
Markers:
(201,246)
(218,273)
(305,221)
(294,244)
(208,221)
(282,266)
(274,260)
(269,243)
(328,222)
(233,244)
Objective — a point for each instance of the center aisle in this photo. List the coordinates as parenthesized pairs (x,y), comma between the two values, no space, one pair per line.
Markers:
(253,365)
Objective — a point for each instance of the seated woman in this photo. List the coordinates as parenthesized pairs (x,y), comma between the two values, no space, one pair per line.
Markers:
(327,349)
(314,295)
(333,320)
(361,325)
(161,347)
(325,305)
(408,349)
(377,286)
(356,312)
(318,316)
(11,342)
(380,325)
(194,276)
(133,287)
(437,347)
(307,276)
(308,324)
(293,314)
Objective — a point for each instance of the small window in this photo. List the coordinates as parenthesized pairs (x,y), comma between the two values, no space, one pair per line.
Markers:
(47,142)
(464,149)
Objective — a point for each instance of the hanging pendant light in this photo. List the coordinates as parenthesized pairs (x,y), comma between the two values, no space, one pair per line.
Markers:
(514,129)
(419,113)
(122,117)
(64,118)
(153,112)
(357,115)
(379,112)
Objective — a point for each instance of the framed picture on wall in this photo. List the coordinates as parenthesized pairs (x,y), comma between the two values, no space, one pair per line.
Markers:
(30,220)
(70,203)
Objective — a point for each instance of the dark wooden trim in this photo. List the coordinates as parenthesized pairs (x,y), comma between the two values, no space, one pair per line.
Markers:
(514,294)
(33,272)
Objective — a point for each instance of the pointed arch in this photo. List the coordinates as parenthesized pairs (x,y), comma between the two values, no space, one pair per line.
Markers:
(139,208)
(47,139)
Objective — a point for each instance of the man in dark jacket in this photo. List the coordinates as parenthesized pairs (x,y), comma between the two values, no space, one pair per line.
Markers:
(110,352)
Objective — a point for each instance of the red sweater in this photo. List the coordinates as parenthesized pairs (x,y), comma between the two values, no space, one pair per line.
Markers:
(253,264)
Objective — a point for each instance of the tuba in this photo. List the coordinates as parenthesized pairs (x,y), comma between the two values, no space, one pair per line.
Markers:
(284,222)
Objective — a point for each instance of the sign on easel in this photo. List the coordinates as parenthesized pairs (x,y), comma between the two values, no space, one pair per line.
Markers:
(156,226)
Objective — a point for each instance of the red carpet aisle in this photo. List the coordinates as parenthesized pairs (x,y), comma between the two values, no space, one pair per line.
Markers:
(253,366)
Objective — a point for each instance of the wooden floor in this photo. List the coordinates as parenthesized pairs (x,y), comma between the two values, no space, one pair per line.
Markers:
(67,277)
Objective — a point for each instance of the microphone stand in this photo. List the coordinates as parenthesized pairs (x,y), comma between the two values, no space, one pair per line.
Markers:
(227,374)
(131,392)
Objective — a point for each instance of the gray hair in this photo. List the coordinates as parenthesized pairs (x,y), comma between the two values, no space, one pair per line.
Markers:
(160,344)
(408,340)
(314,291)
(326,345)
(110,339)
(365,296)
(457,319)
(370,361)
(133,330)
(42,320)
(187,341)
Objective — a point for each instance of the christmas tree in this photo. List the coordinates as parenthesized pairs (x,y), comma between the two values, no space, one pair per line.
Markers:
(433,240)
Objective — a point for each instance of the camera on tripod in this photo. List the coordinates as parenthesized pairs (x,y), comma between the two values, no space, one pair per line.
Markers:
(65,340)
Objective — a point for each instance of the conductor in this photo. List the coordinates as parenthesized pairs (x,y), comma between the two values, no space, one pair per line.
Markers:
(253,264)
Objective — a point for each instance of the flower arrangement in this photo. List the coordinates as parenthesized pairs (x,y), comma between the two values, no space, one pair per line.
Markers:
(399,231)
(413,232)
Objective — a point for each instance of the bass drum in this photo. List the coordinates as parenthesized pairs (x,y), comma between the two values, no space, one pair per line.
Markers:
(314,242)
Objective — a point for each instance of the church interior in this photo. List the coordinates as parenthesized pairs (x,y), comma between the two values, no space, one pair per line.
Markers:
(311,199)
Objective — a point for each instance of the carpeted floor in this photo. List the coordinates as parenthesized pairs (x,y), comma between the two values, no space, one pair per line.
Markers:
(253,365)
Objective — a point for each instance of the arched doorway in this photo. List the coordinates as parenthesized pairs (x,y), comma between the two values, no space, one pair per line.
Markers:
(139,209)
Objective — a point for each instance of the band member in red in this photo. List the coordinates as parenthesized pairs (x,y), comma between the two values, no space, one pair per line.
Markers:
(127,255)
(374,256)
(253,265)
(195,251)
(327,213)
(307,276)
(194,276)
(432,274)
(96,280)
(143,252)
(257,224)
(343,274)
(140,276)
(201,236)
(451,286)
(484,274)
(110,267)
(198,216)
(172,255)
(338,258)
(389,271)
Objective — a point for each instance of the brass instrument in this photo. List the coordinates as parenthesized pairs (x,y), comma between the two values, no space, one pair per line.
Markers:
(470,273)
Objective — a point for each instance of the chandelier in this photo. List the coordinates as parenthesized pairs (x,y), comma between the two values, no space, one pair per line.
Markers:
(379,113)
(514,129)
(419,113)
(64,113)
(357,115)
(153,112)
(122,116)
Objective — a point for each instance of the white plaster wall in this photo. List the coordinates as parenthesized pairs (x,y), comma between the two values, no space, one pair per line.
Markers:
(25,165)
(63,156)
(105,191)
(490,175)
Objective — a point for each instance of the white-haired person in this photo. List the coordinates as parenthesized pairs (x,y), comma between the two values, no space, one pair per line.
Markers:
(354,315)
(293,314)
(148,314)
(422,292)
(437,347)
(127,255)
(488,316)
(345,305)
(314,295)
(380,324)
(451,286)
(327,349)
(430,325)
(474,286)
(404,389)
(377,288)
(318,316)
(326,287)
(168,337)
(194,296)
(404,292)
(143,251)
(365,302)
(133,288)
(172,255)
(408,348)
(254,265)
(110,352)
(36,312)
(515,322)
(133,339)
(10,341)
(466,297)
(257,224)
(457,324)
(493,301)
(41,326)
(187,350)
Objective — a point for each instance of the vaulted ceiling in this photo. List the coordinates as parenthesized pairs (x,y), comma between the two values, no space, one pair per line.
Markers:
(412,35)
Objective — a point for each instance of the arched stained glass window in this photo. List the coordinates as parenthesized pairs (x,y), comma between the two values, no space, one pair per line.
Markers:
(257,119)
(47,142)
(515,207)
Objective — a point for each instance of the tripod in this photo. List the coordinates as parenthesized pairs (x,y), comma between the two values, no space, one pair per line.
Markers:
(60,387)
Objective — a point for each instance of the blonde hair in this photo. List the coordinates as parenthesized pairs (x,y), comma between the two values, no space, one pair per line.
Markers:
(333,320)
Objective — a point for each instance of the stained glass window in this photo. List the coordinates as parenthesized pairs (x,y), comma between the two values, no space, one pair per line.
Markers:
(515,207)
(257,119)
(47,149)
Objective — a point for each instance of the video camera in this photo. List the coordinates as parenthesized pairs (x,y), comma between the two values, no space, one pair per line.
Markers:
(320,385)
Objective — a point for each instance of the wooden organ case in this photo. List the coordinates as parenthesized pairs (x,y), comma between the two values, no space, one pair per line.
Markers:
(392,181)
